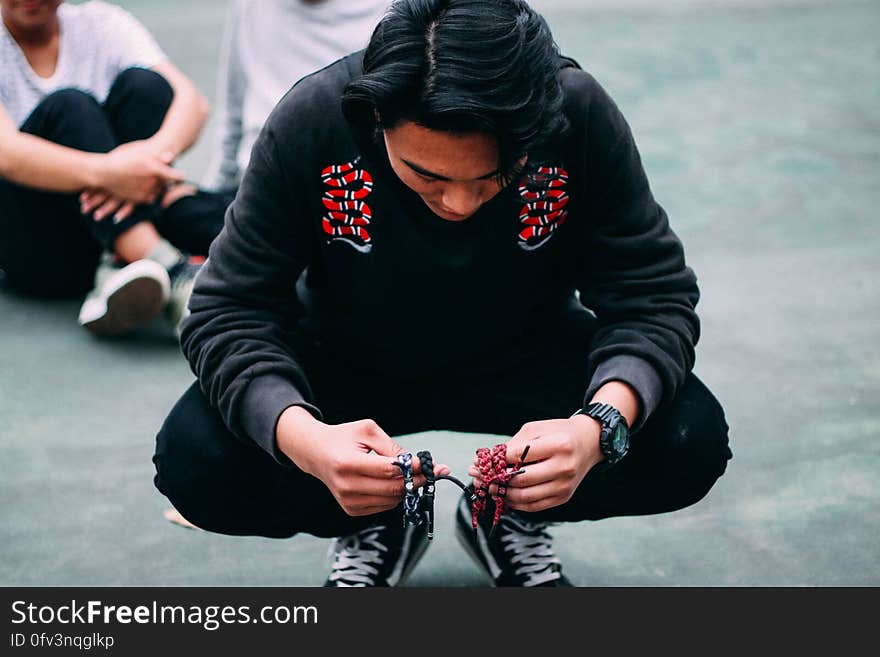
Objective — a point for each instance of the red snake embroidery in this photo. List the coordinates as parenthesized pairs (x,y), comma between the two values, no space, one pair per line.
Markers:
(544,211)
(348,214)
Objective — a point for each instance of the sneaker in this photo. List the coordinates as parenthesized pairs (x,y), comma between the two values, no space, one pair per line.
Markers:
(183,277)
(520,553)
(381,555)
(125,296)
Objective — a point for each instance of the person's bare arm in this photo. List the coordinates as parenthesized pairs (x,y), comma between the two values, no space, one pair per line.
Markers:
(187,115)
(35,162)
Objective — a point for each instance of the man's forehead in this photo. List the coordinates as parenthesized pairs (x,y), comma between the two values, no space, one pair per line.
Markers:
(446,155)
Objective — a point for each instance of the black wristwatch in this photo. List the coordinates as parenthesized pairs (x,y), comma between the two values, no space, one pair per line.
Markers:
(614,439)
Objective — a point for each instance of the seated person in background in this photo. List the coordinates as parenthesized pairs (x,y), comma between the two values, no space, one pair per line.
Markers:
(92,117)
(268,45)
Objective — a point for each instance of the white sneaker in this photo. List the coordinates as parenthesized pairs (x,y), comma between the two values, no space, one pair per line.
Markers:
(125,297)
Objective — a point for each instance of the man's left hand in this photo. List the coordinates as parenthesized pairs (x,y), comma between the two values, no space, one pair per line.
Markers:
(561,453)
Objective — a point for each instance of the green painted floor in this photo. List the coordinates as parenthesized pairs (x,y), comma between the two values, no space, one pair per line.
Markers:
(759,125)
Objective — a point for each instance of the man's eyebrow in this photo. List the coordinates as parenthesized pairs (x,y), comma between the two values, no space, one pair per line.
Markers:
(431,174)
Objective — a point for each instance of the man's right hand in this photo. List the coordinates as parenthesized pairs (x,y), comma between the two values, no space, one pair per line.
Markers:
(355,460)
(136,172)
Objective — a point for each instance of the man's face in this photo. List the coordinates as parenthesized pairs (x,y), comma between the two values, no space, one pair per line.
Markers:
(29,15)
(453,173)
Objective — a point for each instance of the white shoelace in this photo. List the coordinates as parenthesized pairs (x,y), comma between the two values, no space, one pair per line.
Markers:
(353,556)
(532,547)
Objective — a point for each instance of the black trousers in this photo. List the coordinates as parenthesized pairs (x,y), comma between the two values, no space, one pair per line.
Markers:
(47,247)
(230,486)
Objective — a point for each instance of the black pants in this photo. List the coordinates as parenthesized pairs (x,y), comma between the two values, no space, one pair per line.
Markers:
(47,247)
(225,485)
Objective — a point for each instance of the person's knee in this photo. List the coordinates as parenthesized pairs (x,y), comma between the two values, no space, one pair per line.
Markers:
(71,105)
(214,480)
(152,92)
(185,464)
(701,434)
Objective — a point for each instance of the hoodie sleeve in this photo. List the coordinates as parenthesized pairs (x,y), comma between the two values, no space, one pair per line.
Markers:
(634,277)
(244,302)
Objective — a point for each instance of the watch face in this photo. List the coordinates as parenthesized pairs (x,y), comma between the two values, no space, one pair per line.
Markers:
(620,439)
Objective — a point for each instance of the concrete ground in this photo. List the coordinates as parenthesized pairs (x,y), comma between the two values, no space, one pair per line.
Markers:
(759,125)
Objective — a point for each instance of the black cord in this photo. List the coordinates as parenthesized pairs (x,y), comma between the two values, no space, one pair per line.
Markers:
(467,491)
(410,497)
(427,498)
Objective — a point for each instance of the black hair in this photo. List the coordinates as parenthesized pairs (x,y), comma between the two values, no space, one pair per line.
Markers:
(487,66)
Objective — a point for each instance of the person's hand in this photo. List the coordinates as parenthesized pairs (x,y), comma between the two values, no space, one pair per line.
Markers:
(354,460)
(102,204)
(561,453)
(135,172)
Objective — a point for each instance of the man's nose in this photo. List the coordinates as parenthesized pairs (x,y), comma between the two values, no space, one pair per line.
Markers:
(462,199)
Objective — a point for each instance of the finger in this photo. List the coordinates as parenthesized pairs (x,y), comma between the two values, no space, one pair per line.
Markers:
(168,173)
(107,208)
(87,194)
(124,212)
(439,468)
(152,195)
(533,494)
(90,201)
(372,436)
(384,488)
(492,490)
(540,505)
(540,447)
(545,473)
(536,474)
(376,466)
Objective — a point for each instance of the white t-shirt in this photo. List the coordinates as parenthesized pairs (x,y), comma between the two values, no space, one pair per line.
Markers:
(268,46)
(98,42)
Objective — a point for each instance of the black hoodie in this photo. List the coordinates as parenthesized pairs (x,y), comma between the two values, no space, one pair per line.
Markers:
(409,295)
